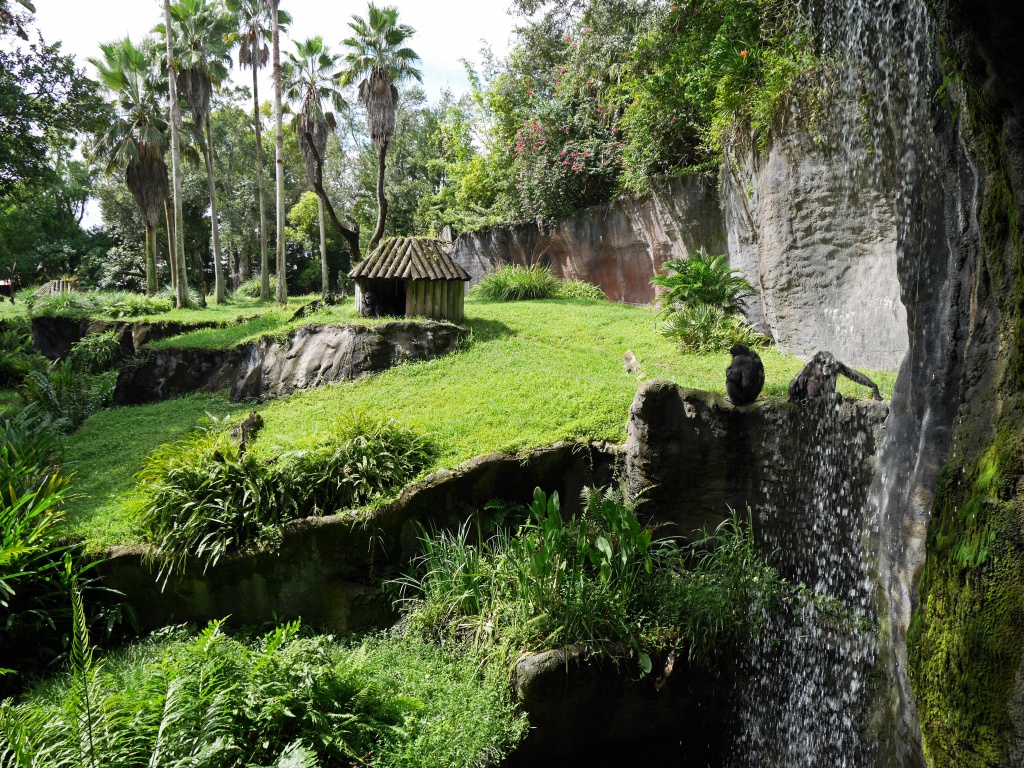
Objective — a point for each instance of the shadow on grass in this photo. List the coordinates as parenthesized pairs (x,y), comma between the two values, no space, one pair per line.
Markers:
(487,330)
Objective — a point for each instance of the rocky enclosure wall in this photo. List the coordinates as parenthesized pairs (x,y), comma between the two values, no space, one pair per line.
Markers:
(823,254)
(53,337)
(312,356)
(619,246)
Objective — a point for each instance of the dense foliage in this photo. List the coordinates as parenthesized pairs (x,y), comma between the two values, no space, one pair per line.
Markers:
(515,283)
(207,495)
(599,578)
(286,699)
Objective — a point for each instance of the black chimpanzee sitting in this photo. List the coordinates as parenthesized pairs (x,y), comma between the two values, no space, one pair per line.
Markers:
(745,375)
(817,380)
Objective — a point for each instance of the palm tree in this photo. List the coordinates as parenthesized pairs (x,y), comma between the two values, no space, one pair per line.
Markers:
(202,38)
(377,55)
(312,78)
(254,29)
(274,9)
(181,297)
(137,136)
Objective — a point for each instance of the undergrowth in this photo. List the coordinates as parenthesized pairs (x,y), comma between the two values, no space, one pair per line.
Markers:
(205,495)
(516,283)
(600,578)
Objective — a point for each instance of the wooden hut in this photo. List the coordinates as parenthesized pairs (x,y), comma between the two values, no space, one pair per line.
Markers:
(411,276)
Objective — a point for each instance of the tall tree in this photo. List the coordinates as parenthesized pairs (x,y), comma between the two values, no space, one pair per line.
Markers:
(181,284)
(313,78)
(136,138)
(202,33)
(255,27)
(274,8)
(377,55)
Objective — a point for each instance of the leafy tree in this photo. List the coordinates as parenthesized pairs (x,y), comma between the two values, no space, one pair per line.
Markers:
(202,32)
(312,79)
(255,28)
(45,101)
(136,137)
(378,56)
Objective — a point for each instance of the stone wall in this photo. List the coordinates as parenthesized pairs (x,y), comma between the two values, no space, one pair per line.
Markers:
(821,249)
(619,246)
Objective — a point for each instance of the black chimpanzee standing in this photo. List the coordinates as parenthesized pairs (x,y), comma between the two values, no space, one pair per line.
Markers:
(745,375)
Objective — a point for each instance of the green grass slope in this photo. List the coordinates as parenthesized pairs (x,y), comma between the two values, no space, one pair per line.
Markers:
(535,372)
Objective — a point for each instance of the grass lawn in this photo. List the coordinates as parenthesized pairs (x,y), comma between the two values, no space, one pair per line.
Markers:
(536,372)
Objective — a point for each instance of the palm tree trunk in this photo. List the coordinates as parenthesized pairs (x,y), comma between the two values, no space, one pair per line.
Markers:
(181,289)
(172,252)
(325,275)
(282,286)
(150,259)
(382,202)
(218,267)
(264,261)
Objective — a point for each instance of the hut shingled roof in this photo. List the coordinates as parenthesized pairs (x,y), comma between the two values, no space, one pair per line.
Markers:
(410,258)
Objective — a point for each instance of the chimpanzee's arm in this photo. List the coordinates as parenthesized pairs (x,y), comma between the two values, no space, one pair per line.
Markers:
(858,377)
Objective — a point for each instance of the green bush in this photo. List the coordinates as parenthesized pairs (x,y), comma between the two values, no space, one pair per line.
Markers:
(354,467)
(286,699)
(516,283)
(38,564)
(705,328)
(203,497)
(579,289)
(16,356)
(703,279)
(81,304)
(250,288)
(600,578)
(96,353)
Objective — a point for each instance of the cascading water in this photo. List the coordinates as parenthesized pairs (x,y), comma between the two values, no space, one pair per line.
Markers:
(806,683)
(815,693)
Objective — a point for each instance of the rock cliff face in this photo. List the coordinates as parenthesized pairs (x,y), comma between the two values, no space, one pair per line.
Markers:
(312,356)
(53,337)
(822,251)
(822,254)
(619,246)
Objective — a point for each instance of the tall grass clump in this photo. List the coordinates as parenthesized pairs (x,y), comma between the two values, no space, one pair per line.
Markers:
(77,305)
(286,699)
(250,288)
(579,289)
(600,578)
(206,495)
(705,328)
(515,283)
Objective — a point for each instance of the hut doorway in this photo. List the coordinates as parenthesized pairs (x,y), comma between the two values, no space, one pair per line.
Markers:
(382,297)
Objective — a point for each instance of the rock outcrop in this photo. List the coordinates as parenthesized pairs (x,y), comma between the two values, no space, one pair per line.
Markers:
(53,337)
(312,356)
(821,249)
(321,569)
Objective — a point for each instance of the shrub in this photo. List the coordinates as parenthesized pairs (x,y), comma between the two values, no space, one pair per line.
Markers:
(600,578)
(356,466)
(68,395)
(706,328)
(123,304)
(516,283)
(703,279)
(579,289)
(37,562)
(250,288)
(96,353)
(202,496)
(16,356)
(117,304)
(286,698)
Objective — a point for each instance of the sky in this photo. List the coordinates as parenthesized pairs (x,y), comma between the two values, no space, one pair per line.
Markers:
(446,31)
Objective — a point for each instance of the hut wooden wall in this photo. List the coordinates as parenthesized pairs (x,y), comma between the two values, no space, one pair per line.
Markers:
(436,299)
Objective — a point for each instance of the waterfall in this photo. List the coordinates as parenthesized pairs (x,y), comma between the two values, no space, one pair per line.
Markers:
(815,694)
